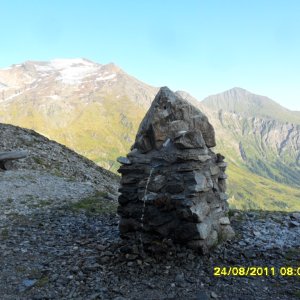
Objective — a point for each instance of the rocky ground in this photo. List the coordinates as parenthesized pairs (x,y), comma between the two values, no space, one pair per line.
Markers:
(48,157)
(73,252)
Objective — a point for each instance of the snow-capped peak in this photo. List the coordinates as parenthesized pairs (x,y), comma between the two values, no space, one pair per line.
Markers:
(67,71)
(67,63)
(73,71)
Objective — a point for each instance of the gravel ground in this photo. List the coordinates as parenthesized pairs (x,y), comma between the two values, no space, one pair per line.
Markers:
(25,191)
(66,254)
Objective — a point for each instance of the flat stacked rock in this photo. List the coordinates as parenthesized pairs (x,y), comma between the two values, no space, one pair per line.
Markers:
(173,185)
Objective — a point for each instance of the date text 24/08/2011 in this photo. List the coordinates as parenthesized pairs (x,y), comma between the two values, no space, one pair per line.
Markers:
(256,271)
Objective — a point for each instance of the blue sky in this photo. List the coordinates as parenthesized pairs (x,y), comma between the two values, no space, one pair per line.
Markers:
(203,47)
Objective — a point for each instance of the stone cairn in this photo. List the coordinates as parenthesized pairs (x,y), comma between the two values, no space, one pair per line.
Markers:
(173,185)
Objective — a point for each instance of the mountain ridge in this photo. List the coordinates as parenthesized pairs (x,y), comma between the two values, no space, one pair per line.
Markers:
(99,119)
(241,101)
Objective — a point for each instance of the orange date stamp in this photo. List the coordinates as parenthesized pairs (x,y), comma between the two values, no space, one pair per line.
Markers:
(256,271)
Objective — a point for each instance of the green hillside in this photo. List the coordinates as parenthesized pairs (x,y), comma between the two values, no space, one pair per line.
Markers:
(98,117)
(250,191)
(106,129)
(268,148)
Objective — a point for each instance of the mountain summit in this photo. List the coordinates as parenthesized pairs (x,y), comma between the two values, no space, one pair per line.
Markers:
(65,71)
(243,102)
(71,98)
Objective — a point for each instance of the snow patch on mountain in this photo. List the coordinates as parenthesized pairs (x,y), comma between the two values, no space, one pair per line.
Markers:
(11,97)
(75,74)
(54,97)
(66,63)
(67,71)
(43,68)
(2,85)
(107,77)
(71,71)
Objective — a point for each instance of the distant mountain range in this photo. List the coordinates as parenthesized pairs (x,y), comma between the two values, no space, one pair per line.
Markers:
(247,104)
(96,109)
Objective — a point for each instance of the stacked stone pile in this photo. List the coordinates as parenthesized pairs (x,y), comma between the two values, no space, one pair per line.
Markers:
(173,185)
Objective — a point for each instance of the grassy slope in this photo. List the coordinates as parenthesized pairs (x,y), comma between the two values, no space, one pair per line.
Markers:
(250,191)
(100,132)
(262,158)
(103,132)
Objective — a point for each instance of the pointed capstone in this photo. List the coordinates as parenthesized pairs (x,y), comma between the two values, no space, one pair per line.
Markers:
(171,116)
